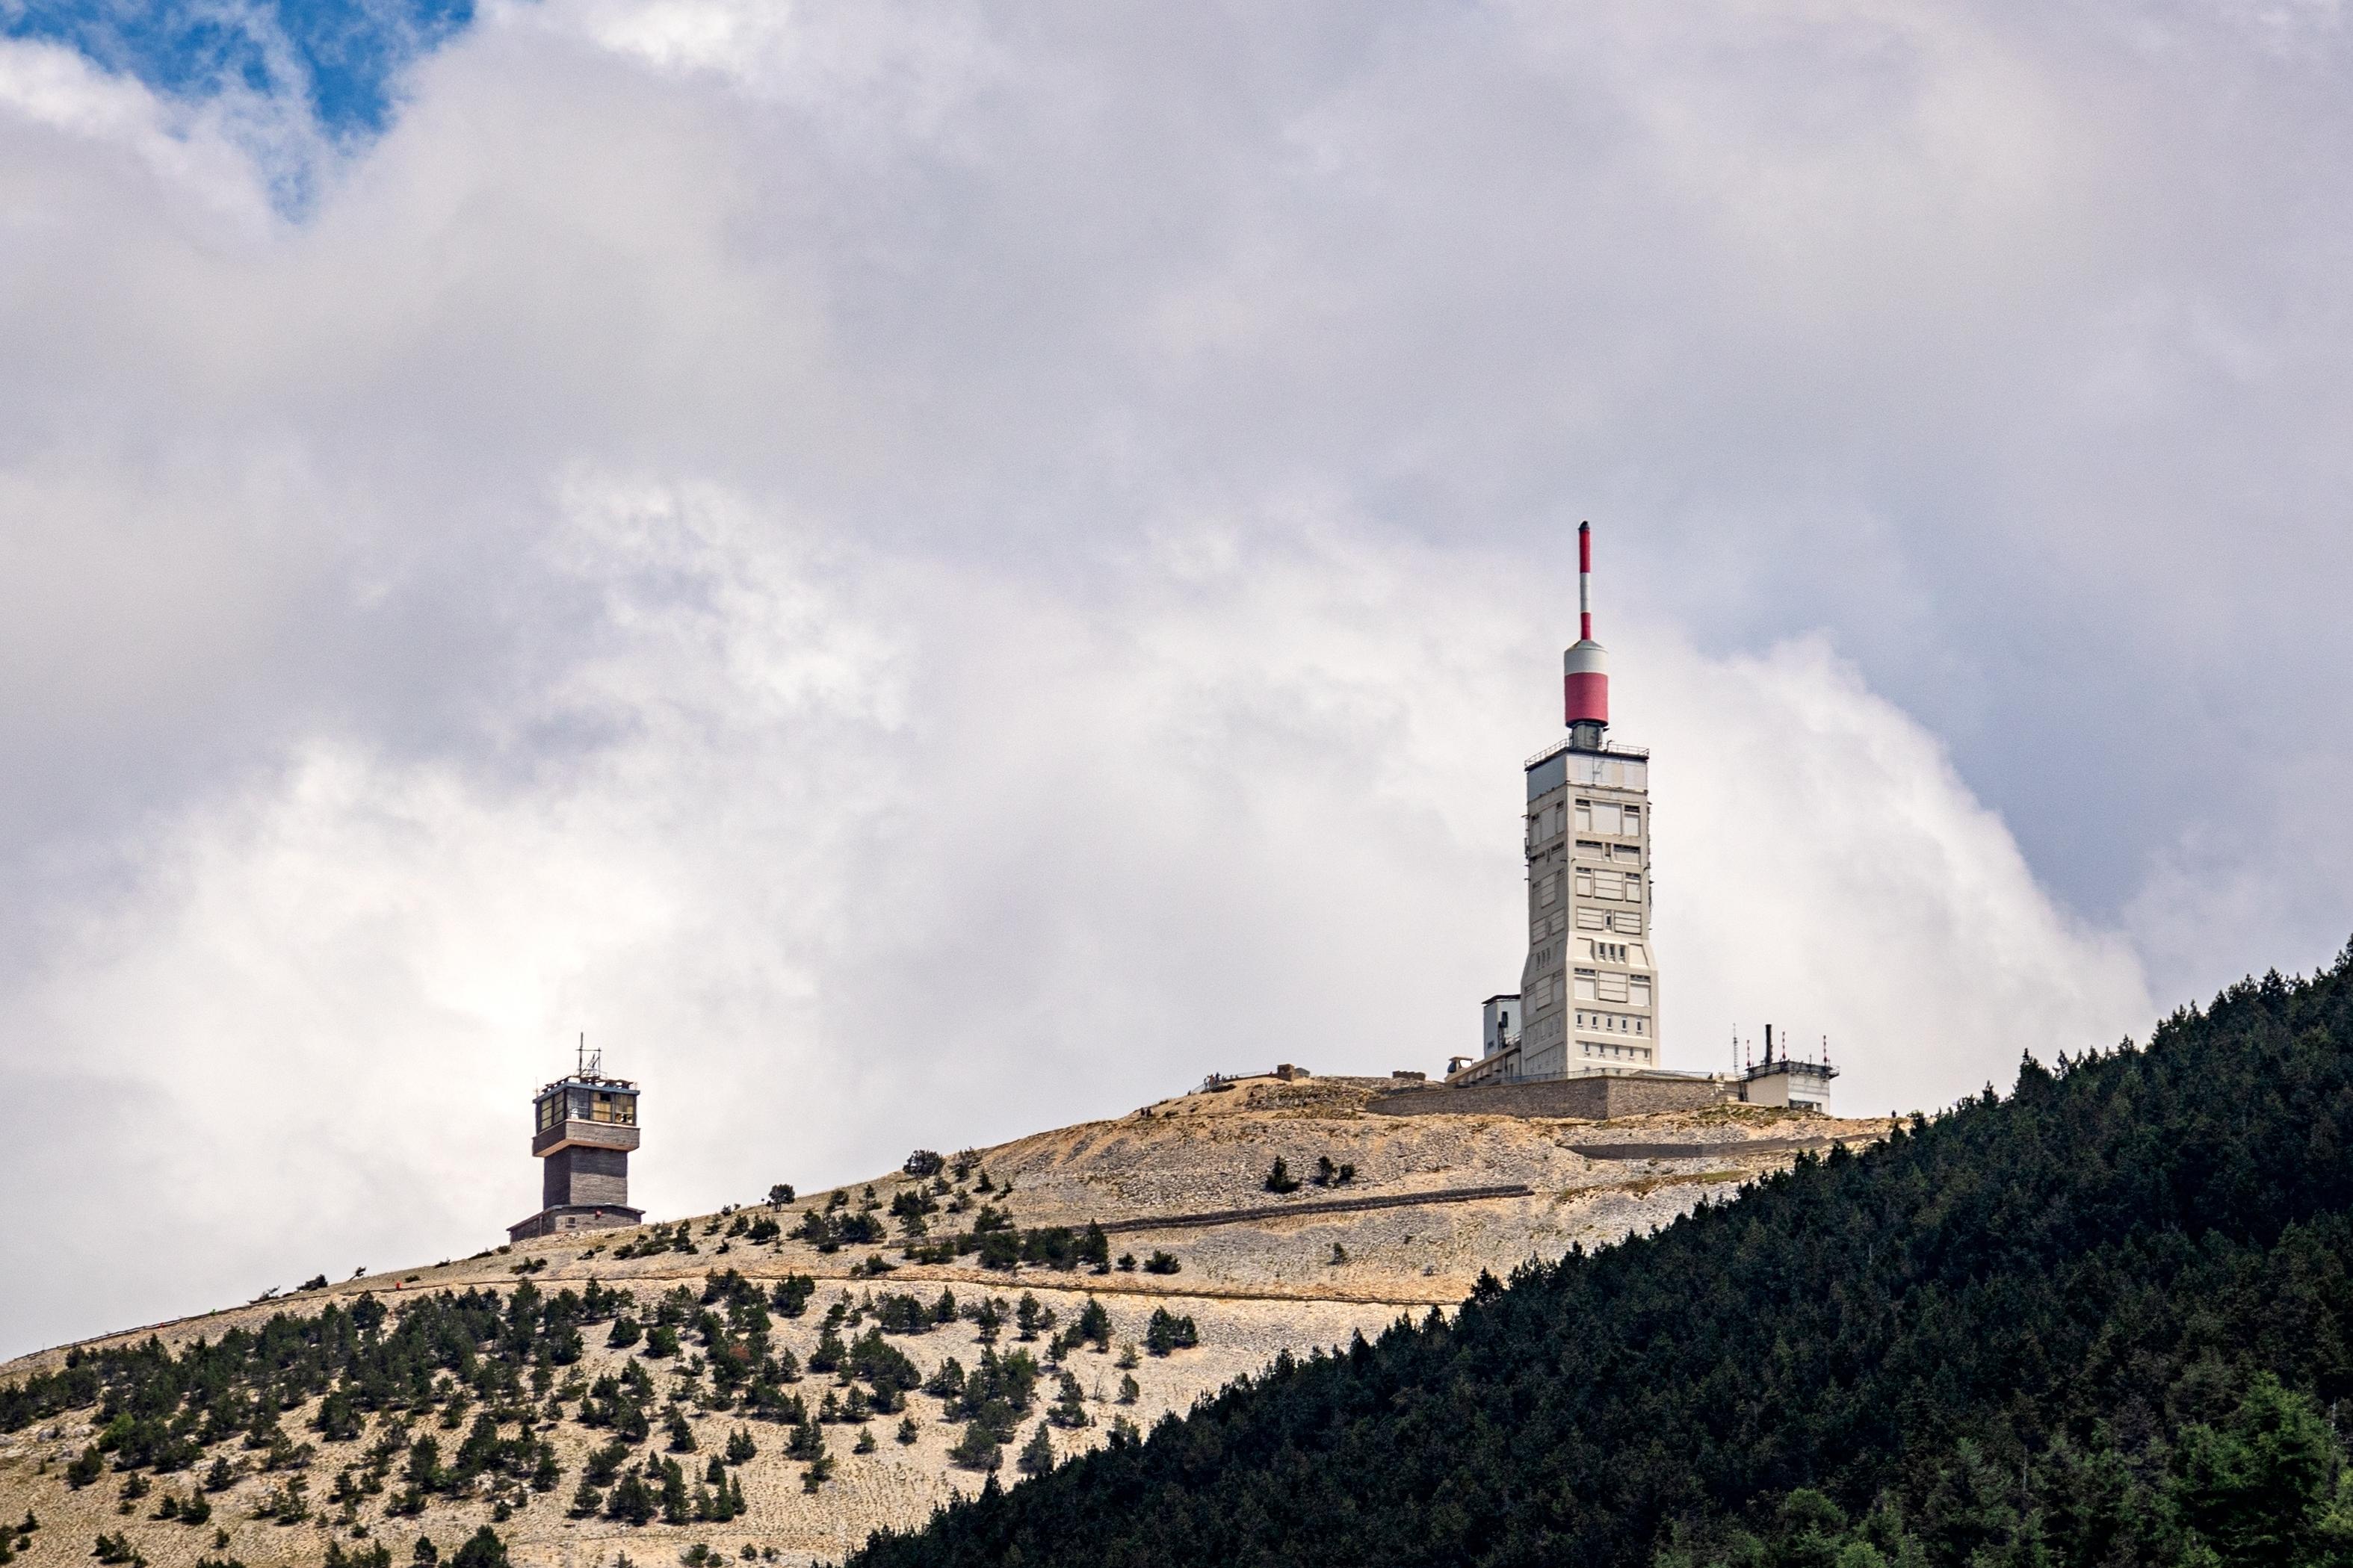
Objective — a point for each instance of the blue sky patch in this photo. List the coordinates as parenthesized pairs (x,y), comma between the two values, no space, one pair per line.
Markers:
(341,58)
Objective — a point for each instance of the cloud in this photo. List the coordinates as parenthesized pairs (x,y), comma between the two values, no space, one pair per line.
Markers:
(844,852)
(922,579)
(1840,879)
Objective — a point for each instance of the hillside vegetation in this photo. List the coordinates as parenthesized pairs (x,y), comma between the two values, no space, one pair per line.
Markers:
(2103,1322)
(782,1378)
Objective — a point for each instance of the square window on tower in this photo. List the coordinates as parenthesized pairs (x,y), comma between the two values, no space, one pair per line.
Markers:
(1585,817)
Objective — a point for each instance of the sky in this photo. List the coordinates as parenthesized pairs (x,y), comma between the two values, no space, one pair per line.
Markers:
(920,574)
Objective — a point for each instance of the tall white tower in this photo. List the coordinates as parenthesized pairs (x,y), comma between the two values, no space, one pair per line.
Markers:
(1589,990)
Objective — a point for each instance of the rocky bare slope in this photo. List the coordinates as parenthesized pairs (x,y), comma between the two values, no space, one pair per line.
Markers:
(1307,1276)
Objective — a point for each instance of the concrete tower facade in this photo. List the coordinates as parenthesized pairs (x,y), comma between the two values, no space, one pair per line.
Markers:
(584,1127)
(1588,999)
(1589,989)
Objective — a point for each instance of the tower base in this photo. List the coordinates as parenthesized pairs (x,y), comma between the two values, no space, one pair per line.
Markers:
(566,1217)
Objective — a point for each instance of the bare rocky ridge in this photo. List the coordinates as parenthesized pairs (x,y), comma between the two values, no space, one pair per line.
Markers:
(1254,1287)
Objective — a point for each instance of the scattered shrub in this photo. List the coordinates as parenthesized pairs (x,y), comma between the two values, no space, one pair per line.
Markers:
(977,1450)
(1166,1332)
(485,1549)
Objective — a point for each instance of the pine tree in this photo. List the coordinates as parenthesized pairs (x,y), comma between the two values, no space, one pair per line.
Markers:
(978,1448)
(632,1501)
(483,1550)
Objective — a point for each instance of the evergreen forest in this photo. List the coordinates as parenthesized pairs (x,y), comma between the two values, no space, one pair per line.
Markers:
(2101,1323)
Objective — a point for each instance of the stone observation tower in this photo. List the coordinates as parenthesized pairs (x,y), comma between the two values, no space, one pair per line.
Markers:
(583,1127)
(1588,996)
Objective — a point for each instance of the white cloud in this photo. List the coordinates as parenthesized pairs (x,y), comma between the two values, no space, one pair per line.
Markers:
(866,854)
(1837,879)
(920,578)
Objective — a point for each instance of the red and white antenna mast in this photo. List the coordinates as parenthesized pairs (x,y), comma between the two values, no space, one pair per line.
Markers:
(1584,667)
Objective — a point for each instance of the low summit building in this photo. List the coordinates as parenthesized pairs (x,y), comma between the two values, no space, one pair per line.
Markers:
(584,1127)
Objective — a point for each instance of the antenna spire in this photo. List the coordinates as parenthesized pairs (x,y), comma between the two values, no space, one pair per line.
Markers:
(1585,669)
(1585,582)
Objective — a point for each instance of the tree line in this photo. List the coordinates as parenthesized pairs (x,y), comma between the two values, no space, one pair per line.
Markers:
(2099,1323)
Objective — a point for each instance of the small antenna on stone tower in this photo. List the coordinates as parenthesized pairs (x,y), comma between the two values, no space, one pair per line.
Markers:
(588,1065)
